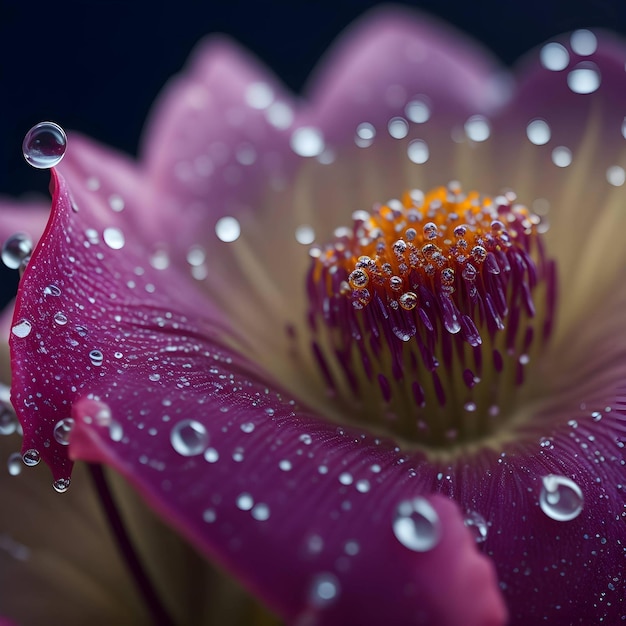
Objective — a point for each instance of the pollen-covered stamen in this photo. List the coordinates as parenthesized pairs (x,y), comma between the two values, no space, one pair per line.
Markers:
(426,312)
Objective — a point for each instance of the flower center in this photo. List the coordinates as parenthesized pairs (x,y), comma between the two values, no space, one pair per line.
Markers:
(427,311)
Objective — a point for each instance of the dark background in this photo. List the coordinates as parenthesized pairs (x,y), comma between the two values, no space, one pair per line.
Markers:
(96,65)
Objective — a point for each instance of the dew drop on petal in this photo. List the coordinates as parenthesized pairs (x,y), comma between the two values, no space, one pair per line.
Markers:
(22,329)
(227,229)
(189,437)
(44,145)
(61,485)
(324,590)
(247,427)
(260,512)
(584,78)
(259,95)
(417,151)
(616,175)
(96,357)
(561,156)
(16,249)
(211,455)
(51,290)
(31,457)
(417,111)
(245,501)
(307,141)
(477,525)
(560,498)
(305,234)
(113,237)
(583,42)
(538,132)
(554,57)
(398,128)
(14,463)
(477,128)
(60,318)
(62,430)
(209,516)
(416,525)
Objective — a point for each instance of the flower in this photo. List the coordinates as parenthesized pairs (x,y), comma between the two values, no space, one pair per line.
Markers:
(164,326)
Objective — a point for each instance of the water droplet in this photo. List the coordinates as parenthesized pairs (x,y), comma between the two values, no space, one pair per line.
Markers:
(51,290)
(417,111)
(561,156)
(31,457)
(477,525)
(189,437)
(154,377)
(62,430)
(305,234)
(554,57)
(583,42)
(477,128)
(61,485)
(227,229)
(260,512)
(362,485)
(584,78)
(538,132)
(60,318)
(561,498)
(259,95)
(417,151)
(14,463)
(247,427)
(307,141)
(365,133)
(285,465)
(324,589)
(96,357)
(16,249)
(209,516)
(211,455)
(22,329)
(245,501)
(398,128)
(416,525)
(616,175)
(113,237)
(8,421)
(345,478)
(44,145)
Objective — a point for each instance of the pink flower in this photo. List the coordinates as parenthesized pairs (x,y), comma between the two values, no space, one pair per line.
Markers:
(382,431)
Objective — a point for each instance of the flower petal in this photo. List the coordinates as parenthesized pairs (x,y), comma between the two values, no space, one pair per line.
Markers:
(230,462)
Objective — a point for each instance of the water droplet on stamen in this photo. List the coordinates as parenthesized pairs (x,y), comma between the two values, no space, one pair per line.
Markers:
(560,498)
(189,437)
(62,430)
(44,145)
(416,525)
(16,249)
(31,457)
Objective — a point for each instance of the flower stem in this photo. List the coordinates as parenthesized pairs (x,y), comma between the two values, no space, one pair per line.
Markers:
(158,613)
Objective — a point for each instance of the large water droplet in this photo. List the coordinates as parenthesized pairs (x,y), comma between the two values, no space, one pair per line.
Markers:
(8,421)
(416,525)
(96,357)
(189,438)
(31,457)
(560,498)
(62,430)
(16,249)
(44,145)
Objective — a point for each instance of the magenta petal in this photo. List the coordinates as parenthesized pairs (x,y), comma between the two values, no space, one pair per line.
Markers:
(283,501)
